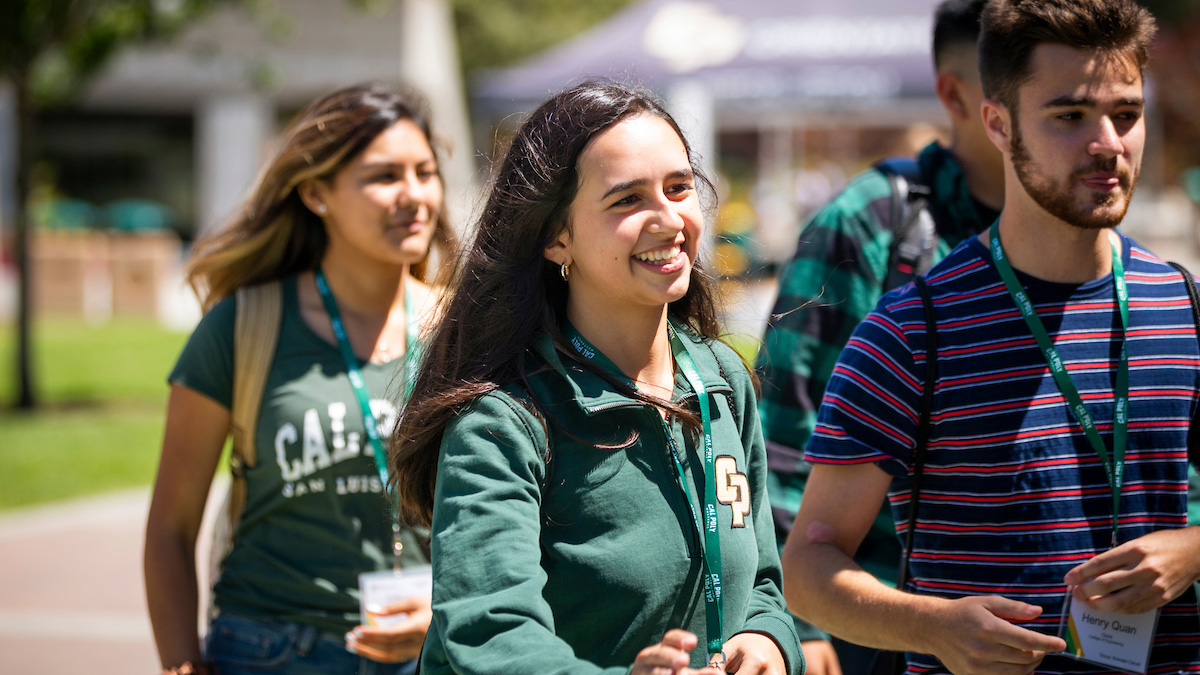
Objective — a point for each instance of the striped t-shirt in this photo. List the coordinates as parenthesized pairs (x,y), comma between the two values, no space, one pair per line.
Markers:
(1014,496)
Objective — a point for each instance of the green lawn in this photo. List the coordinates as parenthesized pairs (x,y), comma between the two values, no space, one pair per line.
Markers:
(102,391)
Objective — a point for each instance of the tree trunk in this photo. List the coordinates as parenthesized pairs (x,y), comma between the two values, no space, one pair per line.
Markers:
(26,399)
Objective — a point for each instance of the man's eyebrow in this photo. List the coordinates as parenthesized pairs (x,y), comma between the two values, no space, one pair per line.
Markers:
(620,187)
(1089,102)
(1070,102)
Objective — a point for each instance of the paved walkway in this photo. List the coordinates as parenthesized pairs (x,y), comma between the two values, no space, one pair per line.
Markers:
(71,598)
(71,594)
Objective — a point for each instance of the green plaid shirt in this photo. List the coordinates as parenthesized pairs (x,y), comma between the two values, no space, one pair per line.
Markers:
(834,280)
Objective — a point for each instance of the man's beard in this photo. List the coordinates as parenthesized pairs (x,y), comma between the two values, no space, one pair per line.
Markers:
(1059,200)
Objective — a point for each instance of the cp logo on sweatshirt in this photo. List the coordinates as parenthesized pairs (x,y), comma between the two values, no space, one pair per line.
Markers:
(733,489)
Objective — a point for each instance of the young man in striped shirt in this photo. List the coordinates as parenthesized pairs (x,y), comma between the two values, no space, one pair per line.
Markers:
(842,266)
(1057,459)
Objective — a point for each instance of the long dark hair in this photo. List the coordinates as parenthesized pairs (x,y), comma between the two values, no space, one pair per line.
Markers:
(505,293)
(274,234)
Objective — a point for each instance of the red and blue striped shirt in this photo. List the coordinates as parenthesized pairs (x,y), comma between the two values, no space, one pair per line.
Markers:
(1013,495)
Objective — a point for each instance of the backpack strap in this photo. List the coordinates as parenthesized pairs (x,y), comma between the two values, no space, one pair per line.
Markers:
(924,425)
(1194,295)
(255,336)
(914,234)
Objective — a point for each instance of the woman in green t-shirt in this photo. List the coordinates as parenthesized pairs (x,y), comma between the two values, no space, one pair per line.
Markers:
(336,235)
(576,415)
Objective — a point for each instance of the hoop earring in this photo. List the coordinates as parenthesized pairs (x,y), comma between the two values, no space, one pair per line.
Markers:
(564,271)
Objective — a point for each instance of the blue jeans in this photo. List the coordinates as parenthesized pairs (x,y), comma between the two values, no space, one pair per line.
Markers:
(239,646)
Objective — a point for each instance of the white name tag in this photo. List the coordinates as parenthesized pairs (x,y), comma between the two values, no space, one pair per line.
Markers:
(1112,639)
(379,589)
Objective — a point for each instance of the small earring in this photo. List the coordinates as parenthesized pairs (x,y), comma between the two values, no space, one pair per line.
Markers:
(321,209)
(564,271)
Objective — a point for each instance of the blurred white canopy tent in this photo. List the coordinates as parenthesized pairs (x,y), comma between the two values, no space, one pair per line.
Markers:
(754,57)
(774,68)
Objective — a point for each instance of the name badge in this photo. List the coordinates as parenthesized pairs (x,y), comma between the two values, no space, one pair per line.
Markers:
(1111,639)
(379,589)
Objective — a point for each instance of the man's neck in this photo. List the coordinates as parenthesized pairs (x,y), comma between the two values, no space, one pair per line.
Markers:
(1052,250)
(983,170)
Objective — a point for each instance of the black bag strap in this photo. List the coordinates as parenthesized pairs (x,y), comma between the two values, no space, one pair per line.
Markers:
(1194,295)
(924,425)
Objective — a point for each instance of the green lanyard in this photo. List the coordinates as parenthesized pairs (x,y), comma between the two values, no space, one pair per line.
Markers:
(411,349)
(1114,467)
(712,541)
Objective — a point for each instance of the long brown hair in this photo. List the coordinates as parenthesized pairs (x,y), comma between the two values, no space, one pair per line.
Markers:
(274,235)
(505,293)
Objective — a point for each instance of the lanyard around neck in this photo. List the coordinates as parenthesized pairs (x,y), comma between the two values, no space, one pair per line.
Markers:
(355,373)
(1114,466)
(713,588)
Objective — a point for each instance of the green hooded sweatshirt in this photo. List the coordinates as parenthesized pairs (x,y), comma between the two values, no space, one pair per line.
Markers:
(568,545)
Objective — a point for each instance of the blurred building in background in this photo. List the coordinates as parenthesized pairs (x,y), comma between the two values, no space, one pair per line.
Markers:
(167,140)
(783,99)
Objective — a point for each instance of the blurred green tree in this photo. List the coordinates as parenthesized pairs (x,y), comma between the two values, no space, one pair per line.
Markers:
(48,51)
(1169,12)
(494,33)
(1175,71)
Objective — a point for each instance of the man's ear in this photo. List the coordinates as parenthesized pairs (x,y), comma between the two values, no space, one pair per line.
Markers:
(558,251)
(997,122)
(949,91)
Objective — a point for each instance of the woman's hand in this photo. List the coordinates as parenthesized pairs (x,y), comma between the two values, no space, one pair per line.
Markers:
(400,642)
(670,657)
(753,654)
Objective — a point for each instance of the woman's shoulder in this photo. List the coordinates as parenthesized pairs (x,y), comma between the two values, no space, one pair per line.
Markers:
(504,409)
(495,425)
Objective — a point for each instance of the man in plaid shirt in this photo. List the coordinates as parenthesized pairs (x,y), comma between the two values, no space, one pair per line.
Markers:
(838,274)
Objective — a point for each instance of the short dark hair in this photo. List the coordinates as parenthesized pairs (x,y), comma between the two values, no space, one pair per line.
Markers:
(1011,29)
(955,25)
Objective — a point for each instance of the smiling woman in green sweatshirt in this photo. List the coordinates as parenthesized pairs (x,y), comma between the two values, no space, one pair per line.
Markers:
(586,451)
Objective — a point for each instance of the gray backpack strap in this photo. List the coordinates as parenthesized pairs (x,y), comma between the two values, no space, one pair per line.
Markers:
(914,234)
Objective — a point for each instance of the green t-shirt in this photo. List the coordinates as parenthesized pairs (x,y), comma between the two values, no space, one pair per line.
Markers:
(316,514)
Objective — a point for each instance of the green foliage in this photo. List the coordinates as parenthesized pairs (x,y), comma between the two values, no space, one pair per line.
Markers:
(1170,12)
(53,46)
(495,33)
(58,454)
(100,427)
(81,365)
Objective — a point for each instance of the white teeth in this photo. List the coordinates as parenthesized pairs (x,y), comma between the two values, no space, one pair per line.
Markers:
(655,256)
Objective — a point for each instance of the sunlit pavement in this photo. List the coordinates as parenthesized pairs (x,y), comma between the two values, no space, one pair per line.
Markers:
(71,598)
